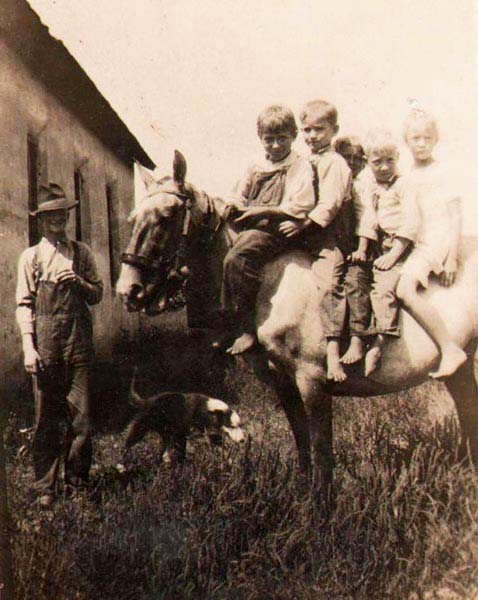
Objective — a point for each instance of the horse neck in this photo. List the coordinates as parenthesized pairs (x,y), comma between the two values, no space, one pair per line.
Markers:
(210,230)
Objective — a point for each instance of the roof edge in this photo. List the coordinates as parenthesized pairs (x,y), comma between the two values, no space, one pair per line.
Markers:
(52,63)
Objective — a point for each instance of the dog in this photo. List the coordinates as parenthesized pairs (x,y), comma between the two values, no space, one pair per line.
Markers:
(175,416)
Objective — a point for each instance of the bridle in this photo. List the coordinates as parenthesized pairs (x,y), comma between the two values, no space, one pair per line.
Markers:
(163,266)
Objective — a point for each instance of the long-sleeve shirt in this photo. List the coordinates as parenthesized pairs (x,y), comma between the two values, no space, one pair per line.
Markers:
(335,180)
(53,259)
(363,207)
(298,197)
(396,211)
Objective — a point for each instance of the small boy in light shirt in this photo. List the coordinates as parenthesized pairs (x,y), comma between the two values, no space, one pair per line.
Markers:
(396,229)
(330,224)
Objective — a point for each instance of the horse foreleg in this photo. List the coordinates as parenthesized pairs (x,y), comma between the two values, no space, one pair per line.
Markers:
(293,406)
(318,407)
(464,391)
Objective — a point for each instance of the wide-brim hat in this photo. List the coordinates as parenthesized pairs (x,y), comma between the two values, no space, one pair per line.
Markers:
(52,197)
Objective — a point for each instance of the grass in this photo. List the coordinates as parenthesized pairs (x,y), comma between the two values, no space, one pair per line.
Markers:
(239,523)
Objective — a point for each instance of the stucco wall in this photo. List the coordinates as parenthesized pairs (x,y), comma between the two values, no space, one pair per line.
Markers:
(26,108)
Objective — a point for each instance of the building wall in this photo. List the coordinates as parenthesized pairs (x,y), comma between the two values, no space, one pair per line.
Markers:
(27,109)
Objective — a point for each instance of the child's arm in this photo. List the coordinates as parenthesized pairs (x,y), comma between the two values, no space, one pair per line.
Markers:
(407,231)
(450,266)
(254,213)
(359,255)
(335,180)
(387,260)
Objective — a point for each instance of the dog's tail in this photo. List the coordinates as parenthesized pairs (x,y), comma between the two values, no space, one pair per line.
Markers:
(135,399)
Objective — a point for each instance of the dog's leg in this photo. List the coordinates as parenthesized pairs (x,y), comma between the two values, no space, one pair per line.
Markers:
(135,433)
(168,450)
(177,447)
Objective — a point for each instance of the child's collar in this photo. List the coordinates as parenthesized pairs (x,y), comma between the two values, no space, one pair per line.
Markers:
(388,184)
(322,150)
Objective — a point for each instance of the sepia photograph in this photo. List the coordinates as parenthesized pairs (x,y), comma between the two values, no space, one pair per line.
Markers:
(239,300)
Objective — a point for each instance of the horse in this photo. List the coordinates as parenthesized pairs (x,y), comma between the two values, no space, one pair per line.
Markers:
(177,227)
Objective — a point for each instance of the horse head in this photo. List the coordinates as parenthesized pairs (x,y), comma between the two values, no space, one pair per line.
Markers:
(153,266)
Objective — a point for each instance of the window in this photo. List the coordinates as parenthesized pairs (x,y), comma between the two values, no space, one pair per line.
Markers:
(33,177)
(79,186)
(113,232)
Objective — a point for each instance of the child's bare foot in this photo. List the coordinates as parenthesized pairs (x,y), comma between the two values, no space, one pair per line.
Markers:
(452,358)
(243,343)
(373,356)
(335,371)
(355,351)
(372,360)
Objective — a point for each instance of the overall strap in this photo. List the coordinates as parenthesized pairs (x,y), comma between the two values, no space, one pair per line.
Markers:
(315,180)
(37,267)
(267,187)
(76,256)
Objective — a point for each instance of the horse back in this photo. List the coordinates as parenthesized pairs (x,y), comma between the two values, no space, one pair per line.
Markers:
(290,329)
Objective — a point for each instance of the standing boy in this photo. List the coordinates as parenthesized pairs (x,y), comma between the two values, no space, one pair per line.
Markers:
(275,196)
(331,224)
(57,279)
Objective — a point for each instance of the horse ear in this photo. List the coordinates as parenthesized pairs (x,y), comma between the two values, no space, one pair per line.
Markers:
(145,175)
(179,168)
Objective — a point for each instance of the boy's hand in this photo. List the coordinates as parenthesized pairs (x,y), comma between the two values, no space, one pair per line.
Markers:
(68,276)
(233,207)
(255,213)
(32,361)
(236,203)
(385,262)
(448,275)
(358,256)
(292,228)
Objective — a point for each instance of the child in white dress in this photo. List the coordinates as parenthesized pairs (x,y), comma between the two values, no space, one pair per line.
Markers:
(436,247)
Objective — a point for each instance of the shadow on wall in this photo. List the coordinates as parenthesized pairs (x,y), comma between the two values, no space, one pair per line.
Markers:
(168,357)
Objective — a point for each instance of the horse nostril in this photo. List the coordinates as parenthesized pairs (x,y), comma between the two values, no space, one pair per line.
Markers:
(135,292)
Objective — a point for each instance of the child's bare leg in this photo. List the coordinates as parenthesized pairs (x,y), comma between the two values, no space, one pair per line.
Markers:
(373,356)
(335,370)
(355,351)
(243,343)
(452,356)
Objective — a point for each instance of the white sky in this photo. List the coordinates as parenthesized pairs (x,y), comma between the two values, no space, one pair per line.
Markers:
(194,74)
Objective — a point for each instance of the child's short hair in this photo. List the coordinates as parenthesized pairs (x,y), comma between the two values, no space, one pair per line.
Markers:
(380,139)
(344,144)
(421,117)
(322,109)
(276,118)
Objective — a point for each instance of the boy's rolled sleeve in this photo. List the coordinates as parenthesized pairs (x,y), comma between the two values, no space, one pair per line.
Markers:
(365,215)
(299,195)
(26,293)
(334,187)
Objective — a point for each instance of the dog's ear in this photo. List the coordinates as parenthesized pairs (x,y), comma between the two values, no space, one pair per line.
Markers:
(233,428)
(223,419)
